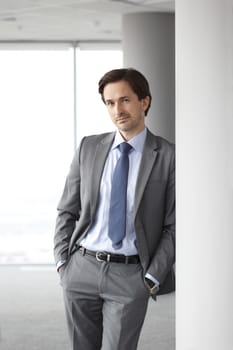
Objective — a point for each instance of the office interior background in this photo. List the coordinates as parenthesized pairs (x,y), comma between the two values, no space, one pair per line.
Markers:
(52,54)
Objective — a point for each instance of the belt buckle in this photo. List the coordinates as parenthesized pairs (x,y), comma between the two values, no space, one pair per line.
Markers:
(104,254)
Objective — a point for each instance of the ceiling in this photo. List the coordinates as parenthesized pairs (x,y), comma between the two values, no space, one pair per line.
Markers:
(70,20)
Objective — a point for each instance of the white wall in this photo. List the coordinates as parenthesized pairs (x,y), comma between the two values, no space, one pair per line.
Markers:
(204,135)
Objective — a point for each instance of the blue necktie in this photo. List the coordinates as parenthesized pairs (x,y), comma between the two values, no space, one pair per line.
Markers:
(118,199)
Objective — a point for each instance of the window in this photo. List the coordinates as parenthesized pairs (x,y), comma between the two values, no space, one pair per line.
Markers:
(37,139)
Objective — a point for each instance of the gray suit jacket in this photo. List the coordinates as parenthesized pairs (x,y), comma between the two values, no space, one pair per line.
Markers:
(154,214)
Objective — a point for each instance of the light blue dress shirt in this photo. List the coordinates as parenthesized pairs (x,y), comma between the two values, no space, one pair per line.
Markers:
(97,237)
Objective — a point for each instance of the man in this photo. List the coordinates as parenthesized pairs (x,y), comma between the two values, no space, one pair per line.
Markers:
(115,243)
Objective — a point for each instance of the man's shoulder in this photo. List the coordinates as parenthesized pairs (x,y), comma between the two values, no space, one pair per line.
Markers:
(161,142)
(95,139)
(165,145)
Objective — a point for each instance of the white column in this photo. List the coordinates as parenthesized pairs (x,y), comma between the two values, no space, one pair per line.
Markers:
(204,134)
(148,41)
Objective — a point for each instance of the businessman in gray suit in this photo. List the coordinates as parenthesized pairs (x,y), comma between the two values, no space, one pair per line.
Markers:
(115,241)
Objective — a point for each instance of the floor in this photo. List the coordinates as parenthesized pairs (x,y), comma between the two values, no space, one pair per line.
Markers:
(32,315)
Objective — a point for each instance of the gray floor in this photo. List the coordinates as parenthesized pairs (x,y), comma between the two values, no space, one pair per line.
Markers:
(32,315)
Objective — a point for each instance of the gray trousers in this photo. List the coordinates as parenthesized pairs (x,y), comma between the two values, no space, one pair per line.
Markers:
(105,303)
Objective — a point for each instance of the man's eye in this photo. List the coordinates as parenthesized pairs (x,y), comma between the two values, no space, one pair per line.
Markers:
(126,99)
(109,103)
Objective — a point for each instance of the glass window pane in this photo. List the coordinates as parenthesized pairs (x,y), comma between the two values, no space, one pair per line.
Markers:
(37,138)
(36,145)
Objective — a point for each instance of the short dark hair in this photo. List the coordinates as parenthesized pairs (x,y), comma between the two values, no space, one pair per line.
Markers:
(135,79)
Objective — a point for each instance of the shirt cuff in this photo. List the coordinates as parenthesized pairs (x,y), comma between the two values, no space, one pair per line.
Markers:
(153,279)
(60,263)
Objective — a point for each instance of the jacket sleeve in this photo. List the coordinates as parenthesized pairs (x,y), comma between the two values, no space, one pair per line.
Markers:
(162,263)
(69,208)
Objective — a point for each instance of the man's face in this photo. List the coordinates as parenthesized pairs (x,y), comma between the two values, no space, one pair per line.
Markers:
(125,109)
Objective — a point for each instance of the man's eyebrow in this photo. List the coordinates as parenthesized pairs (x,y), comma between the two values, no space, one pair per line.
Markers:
(108,100)
(120,98)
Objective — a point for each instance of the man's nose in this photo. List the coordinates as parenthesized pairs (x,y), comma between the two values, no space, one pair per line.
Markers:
(118,109)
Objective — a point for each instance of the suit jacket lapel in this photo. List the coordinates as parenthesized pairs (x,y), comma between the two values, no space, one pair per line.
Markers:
(147,162)
(102,150)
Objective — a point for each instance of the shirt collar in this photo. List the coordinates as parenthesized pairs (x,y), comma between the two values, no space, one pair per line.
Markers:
(137,142)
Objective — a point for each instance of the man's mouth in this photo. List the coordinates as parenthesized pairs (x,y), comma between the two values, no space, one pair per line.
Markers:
(122,119)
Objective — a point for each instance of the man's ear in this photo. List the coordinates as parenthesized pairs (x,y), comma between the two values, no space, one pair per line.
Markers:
(145,102)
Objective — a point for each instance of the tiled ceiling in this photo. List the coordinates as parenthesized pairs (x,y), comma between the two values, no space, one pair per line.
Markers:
(78,20)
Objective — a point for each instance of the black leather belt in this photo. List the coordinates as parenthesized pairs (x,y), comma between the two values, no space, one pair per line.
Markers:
(109,257)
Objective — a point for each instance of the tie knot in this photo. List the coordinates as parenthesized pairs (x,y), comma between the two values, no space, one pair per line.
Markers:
(125,147)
